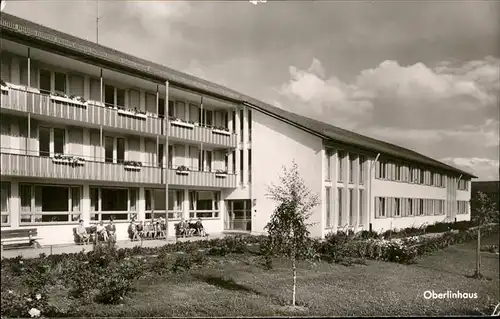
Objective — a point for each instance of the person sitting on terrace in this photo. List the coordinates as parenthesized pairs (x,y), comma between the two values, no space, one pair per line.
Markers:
(131,230)
(111,230)
(183,227)
(81,232)
(148,230)
(101,232)
(140,229)
(163,228)
(200,230)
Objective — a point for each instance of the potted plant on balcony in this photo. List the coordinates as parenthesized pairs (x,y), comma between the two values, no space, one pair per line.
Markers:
(221,173)
(220,130)
(78,99)
(132,165)
(178,122)
(132,112)
(68,159)
(4,86)
(182,170)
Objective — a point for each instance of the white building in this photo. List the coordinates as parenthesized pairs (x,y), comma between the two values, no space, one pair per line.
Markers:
(64,158)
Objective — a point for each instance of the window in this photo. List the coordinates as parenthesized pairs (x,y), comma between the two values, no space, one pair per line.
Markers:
(233,114)
(463,207)
(203,204)
(352,207)
(76,85)
(120,150)
(109,95)
(380,207)
(60,82)
(340,176)
(328,166)
(421,179)
(45,86)
(340,200)
(95,90)
(241,125)
(194,113)
(249,165)
(59,140)
(49,203)
(462,185)
(239,215)
(408,207)
(180,110)
(134,100)
(328,207)
(249,125)
(397,207)
(241,166)
(421,210)
(361,169)
(208,117)
(397,172)
(361,200)
(113,203)
(5,203)
(155,203)
(44,141)
(383,170)
(108,149)
(352,160)
(120,97)
(233,158)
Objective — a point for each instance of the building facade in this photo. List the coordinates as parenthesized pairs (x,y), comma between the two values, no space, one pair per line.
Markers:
(94,134)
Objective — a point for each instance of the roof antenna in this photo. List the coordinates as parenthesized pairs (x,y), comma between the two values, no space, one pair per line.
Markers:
(97,22)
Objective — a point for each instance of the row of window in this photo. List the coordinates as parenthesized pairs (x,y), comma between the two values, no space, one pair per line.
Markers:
(355,169)
(390,207)
(355,215)
(51,203)
(411,174)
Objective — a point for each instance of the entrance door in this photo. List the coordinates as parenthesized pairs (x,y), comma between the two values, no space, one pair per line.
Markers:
(239,215)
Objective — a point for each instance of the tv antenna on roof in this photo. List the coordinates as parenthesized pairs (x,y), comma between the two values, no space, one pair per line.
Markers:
(2,5)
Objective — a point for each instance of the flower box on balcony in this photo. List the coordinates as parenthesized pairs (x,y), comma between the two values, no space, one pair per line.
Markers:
(132,165)
(67,100)
(220,131)
(132,113)
(221,174)
(4,88)
(182,123)
(96,103)
(68,159)
(182,170)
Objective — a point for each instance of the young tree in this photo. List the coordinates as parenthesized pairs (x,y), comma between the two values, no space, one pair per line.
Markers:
(288,233)
(485,212)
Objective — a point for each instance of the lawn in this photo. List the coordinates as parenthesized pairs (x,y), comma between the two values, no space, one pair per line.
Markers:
(235,286)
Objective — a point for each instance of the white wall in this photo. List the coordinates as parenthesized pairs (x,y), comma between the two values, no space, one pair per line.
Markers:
(276,144)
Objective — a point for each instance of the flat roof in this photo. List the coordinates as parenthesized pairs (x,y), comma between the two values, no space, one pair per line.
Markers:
(36,35)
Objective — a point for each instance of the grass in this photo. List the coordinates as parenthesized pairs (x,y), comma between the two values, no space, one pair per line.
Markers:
(235,286)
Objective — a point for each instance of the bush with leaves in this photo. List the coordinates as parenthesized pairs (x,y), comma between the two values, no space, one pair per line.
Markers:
(118,279)
(182,262)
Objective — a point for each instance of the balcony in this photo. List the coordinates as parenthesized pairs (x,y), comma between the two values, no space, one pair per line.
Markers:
(193,132)
(66,109)
(72,110)
(45,167)
(203,179)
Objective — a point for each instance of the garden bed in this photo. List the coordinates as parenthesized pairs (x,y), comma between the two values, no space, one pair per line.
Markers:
(64,285)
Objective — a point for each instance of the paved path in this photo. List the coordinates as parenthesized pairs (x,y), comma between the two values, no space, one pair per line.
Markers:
(73,248)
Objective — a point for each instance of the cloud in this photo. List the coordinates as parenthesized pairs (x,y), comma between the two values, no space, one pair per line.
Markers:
(450,108)
(484,168)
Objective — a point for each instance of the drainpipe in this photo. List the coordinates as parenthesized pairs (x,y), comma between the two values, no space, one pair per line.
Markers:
(28,139)
(372,164)
(166,153)
(455,202)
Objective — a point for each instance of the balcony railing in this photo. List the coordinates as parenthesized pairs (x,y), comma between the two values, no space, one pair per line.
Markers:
(76,168)
(67,109)
(94,114)
(205,179)
(46,167)
(195,132)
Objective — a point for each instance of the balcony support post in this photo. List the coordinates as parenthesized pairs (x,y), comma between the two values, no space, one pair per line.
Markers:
(101,86)
(166,152)
(157,100)
(28,138)
(29,67)
(202,117)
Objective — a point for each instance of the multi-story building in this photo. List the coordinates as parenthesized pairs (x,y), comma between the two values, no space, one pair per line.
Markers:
(91,133)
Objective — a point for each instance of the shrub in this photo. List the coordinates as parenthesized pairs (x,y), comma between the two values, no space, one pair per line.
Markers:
(182,262)
(118,280)
(490,248)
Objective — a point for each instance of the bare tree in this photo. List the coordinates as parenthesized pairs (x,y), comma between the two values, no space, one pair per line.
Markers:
(288,227)
(485,212)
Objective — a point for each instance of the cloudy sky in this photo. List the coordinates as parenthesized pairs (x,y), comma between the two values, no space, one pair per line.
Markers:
(424,75)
